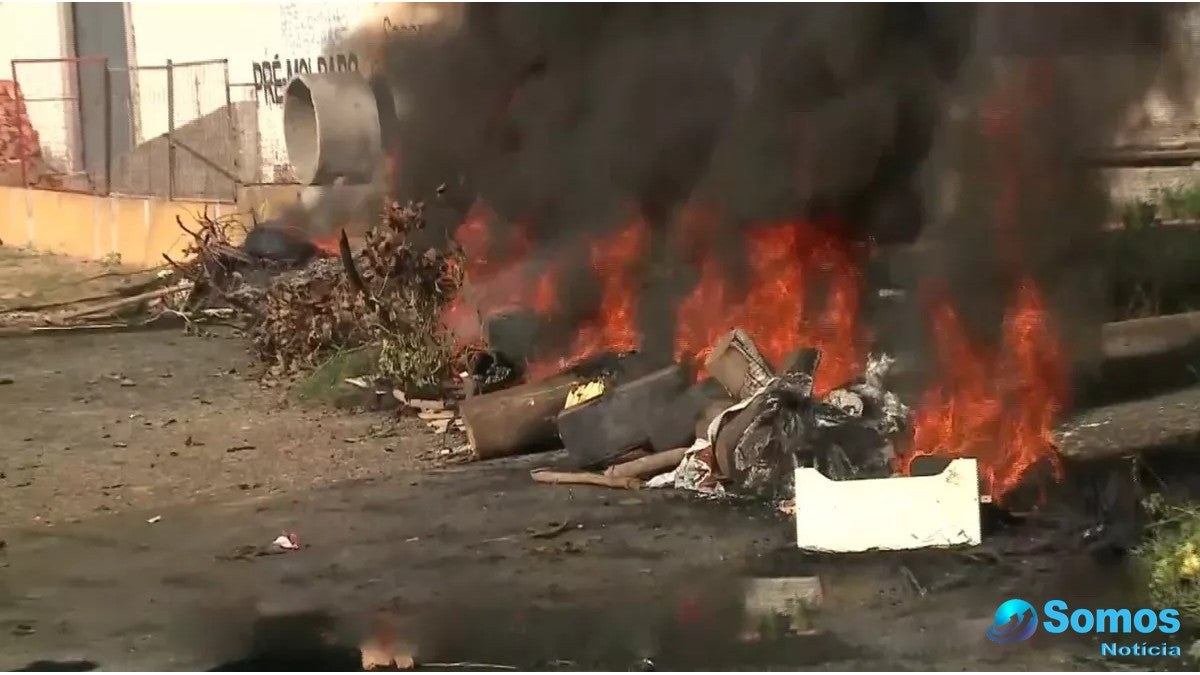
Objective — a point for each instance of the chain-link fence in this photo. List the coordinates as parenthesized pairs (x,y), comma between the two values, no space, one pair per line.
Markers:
(59,122)
(175,130)
(141,168)
(204,155)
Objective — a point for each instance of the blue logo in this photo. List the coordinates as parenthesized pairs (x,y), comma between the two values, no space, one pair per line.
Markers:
(1015,620)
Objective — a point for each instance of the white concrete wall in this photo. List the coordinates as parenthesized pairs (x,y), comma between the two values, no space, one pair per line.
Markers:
(40,30)
(250,33)
(245,33)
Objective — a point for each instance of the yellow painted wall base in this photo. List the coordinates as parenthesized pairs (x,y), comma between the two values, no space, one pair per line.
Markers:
(139,229)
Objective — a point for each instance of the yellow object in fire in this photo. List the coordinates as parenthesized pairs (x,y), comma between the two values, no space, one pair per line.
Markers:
(584,393)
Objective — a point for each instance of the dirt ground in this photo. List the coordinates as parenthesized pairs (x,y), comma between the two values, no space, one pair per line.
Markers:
(139,471)
(99,423)
(40,281)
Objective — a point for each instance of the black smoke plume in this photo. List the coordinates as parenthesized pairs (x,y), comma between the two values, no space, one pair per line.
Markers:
(566,117)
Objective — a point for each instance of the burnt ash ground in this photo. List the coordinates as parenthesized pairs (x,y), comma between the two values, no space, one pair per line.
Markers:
(85,578)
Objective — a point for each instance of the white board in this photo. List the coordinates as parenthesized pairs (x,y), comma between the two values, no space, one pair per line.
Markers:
(889,514)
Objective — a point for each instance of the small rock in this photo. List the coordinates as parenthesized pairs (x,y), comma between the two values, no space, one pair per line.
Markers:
(120,444)
(6,380)
(23,629)
(126,382)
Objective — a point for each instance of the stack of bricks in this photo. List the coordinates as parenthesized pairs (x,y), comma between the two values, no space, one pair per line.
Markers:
(18,140)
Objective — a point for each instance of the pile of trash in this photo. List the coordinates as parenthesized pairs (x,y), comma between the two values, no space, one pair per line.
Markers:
(754,445)
(622,418)
(743,430)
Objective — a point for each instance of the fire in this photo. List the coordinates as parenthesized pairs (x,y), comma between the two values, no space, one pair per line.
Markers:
(796,284)
(497,269)
(775,308)
(614,327)
(1001,406)
(327,245)
(998,407)
(772,298)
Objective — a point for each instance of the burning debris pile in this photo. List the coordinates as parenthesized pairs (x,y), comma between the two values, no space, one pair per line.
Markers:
(738,413)
(637,279)
(768,369)
(737,171)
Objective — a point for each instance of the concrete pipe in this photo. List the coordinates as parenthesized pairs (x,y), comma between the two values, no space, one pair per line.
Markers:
(331,128)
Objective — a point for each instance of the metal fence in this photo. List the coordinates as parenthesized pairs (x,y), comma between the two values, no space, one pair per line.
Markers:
(55,105)
(176,130)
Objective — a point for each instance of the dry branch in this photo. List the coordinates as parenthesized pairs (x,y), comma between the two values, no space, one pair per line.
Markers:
(303,308)
(645,467)
(584,478)
(123,302)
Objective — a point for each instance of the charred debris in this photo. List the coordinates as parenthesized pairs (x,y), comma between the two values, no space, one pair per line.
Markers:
(735,423)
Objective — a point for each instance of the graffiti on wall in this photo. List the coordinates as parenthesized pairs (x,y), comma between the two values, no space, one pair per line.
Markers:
(390,27)
(270,77)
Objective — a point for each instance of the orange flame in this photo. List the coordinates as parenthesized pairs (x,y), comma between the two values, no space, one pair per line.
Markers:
(616,262)
(771,303)
(1000,407)
(327,245)
(774,310)
(797,284)
(996,407)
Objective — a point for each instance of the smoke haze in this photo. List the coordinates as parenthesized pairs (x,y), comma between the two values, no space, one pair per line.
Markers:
(959,125)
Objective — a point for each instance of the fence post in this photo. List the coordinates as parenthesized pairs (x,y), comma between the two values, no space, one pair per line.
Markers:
(108,122)
(235,148)
(170,130)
